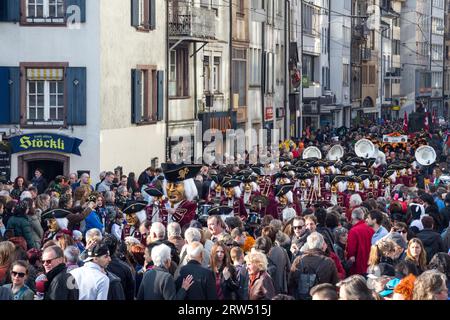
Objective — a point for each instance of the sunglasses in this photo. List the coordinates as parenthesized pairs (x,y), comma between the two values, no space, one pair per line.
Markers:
(299,227)
(20,274)
(48,261)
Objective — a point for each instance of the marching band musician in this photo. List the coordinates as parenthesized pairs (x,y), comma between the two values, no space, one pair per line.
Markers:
(135,215)
(389,179)
(156,210)
(281,206)
(249,190)
(180,190)
(233,198)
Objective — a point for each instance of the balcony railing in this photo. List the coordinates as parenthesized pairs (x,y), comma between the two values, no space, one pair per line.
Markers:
(185,20)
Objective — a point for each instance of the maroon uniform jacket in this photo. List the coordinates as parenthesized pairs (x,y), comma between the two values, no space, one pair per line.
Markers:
(184,213)
(131,231)
(238,206)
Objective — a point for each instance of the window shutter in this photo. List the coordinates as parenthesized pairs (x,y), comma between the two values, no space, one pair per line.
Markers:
(135,13)
(10,10)
(76,96)
(160,80)
(152,14)
(4,94)
(136,89)
(14,94)
(79,3)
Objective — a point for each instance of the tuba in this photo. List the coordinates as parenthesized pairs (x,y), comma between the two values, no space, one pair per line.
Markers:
(336,152)
(364,148)
(425,155)
(312,152)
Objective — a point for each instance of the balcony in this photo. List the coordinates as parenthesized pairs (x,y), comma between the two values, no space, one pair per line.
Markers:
(396,61)
(186,20)
(314,90)
(366,54)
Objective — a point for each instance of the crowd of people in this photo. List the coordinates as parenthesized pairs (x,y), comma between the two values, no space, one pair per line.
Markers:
(351,229)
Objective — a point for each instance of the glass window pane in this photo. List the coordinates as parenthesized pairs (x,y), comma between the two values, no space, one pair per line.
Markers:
(32,113)
(40,114)
(31,10)
(52,11)
(53,100)
(40,100)
(60,100)
(60,113)
(40,86)
(60,86)
(53,113)
(52,87)
(31,87)
(32,100)
(40,11)
(60,8)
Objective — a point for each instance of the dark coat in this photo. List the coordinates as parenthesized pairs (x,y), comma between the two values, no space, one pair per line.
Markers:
(432,242)
(123,271)
(204,286)
(115,291)
(22,228)
(173,250)
(158,284)
(242,277)
(280,258)
(5,294)
(314,261)
(56,287)
(40,184)
(261,288)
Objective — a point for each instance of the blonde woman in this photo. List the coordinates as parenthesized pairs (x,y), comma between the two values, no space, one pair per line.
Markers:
(260,286)
(416,256)
(6,251)
(430,285)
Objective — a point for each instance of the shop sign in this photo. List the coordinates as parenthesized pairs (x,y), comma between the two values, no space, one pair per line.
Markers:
(45,141)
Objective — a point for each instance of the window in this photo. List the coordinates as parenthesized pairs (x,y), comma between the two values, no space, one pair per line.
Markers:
(308,67)
(345,75)
(347,36)
(437,25)
(147,94)
(45,11)
(216,75)
(211,75)
(436,80)
(269,12)
(307,15)
(144,14)
(437,52)
(240,7)
(239,74)
(372,75)
(255,67)
(45,96)
(280,7)
(178,73)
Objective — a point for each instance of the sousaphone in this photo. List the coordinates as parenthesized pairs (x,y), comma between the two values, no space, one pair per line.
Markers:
(364,148)
(335,153)
(312,152)
(425,155)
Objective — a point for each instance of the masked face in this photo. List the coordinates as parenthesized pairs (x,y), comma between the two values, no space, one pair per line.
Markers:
(131,219)
(229,192)
(52,225)
(218,189)
(351,186)
(303,184)
(248,188)
(175,192)
(283,200)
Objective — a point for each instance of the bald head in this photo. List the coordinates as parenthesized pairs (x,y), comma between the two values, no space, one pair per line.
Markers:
(195,251)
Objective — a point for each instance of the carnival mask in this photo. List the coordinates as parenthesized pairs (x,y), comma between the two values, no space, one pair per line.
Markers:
(351,186)
(218,189)
(283,200)
(175,192)
(229,192)
(248,188)
(131,219)
(52,225)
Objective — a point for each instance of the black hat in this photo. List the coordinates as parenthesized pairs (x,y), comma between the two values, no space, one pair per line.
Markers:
(248,179)
(96,251)
(374,178)
(154,192)
(55,214)
(218,179)
(220,210)
(347,168)
(133,206)
(280,174)
(180,172)
(283,189)
(388,173)
(258,170)
(288,167)
(364,176)
(356,159)
(231,183)
(339,179)
(284,159)
(304,175)
(370,162)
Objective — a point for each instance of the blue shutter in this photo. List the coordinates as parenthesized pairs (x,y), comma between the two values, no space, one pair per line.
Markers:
(76,96)
(81,4)
(4,96)
(160,90)
(136,100)
(14,95)
(152,14)
(10,10)
(135,13)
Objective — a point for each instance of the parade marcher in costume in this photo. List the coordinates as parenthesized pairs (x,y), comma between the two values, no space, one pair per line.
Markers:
(282,205)
(180,189)
(233,198)
(135,215)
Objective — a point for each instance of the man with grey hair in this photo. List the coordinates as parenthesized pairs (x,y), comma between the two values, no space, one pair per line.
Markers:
(204,286)
(71,254)
(158,283)
(311,268)
(192,235)
(359,243)
(174,235)
(107,182)
(157,236)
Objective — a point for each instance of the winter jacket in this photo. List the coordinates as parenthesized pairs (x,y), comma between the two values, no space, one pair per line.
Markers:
(358,246)
(432,242)
(56,286)
(123,271)
(40,184)
(312,261)
(36,230)
(93,221)
(261,288)
(22,228)
(5,294)
(115,291)
(158,284)
(204,287)
(281,260)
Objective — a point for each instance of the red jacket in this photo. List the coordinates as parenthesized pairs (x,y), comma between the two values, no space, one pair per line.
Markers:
(339,267)
(358,246)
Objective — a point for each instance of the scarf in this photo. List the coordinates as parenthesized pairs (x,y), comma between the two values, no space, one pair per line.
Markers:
(53,273)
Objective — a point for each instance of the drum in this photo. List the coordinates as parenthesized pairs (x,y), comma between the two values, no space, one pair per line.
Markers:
(202,213)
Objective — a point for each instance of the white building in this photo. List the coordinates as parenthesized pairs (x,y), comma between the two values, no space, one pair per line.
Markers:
(101,81)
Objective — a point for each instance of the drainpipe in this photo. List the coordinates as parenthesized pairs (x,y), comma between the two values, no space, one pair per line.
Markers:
(287,29)
(167,83)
